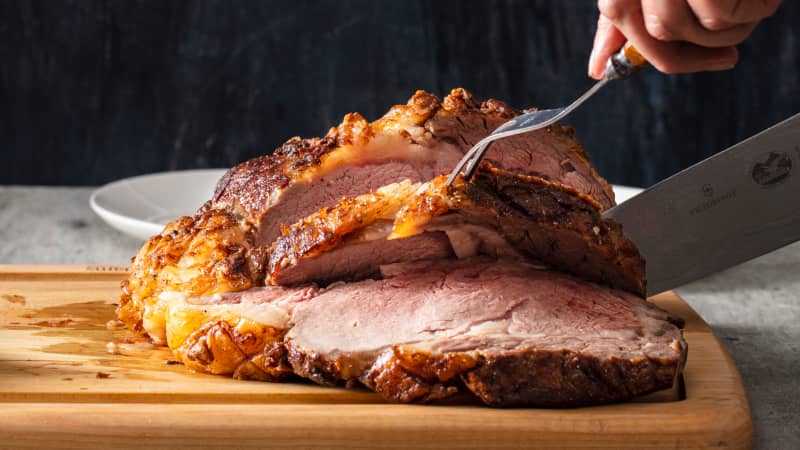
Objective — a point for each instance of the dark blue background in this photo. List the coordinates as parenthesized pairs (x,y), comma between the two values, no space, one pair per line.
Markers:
(91,91)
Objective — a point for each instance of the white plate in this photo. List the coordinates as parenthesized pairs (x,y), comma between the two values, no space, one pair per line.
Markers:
(141,206)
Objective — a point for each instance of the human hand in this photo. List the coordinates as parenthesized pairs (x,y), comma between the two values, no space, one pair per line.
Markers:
(677,36)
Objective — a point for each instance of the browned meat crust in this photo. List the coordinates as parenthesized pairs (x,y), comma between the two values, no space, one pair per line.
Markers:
(201,255)
(566,378)
(569,231)
(523,377)
(252,354)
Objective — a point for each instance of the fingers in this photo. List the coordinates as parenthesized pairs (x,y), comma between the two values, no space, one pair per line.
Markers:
(607,40)
(716,15)
(667,57)
(675,21)
(616,10)
(677,35)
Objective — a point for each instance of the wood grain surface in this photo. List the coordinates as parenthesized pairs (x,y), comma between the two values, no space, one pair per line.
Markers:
(68,378)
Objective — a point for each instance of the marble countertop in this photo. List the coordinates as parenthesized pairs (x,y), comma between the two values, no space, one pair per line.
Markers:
(754,308)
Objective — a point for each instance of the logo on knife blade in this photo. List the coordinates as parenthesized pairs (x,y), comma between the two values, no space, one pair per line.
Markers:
(708,191)
(772,169)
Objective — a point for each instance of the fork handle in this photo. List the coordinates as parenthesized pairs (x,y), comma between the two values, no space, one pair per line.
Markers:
(624,63)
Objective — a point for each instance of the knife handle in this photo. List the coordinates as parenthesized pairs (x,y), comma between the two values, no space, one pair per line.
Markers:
(624,63)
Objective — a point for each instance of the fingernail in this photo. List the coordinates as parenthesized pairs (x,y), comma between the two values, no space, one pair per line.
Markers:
(592,58)
(727,61)
(723,64)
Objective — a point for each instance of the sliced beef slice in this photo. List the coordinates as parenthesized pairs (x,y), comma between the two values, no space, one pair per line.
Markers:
(547,221)
(498,214)
(347,242)
(552,153)
(509,333)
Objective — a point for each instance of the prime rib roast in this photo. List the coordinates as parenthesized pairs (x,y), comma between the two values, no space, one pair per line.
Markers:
(346,260)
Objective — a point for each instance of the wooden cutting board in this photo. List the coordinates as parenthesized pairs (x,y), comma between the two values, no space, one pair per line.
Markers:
(63,385)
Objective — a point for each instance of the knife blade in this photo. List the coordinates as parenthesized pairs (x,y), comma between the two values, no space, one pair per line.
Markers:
(734,206)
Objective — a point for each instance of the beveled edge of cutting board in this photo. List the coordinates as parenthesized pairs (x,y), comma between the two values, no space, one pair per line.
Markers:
(715,413)
(33,272)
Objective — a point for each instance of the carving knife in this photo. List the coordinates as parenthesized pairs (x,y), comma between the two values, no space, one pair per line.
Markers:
(734,206)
